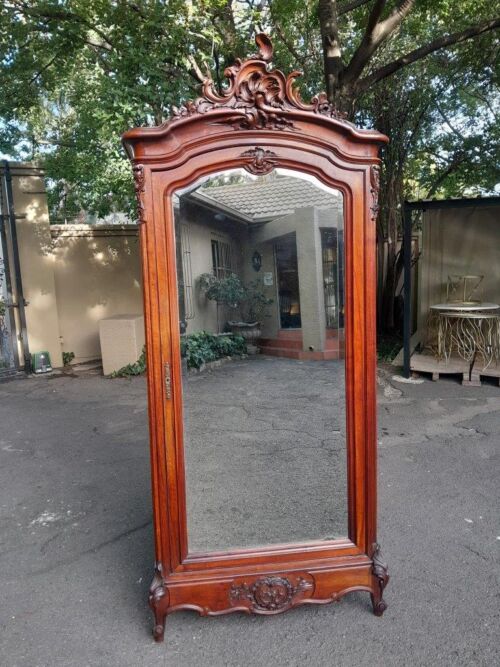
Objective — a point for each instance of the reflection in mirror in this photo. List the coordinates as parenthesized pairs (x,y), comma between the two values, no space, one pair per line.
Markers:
(261,307)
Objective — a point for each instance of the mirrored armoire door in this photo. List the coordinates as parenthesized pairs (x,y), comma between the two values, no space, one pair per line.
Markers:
(257,216)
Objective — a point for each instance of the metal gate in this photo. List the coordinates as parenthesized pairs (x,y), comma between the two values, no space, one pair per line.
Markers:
(14,351)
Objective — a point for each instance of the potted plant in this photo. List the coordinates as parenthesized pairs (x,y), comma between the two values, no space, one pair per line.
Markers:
(248,303)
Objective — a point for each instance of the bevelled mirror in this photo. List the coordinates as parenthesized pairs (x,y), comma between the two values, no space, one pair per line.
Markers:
(258,249)
(260,281)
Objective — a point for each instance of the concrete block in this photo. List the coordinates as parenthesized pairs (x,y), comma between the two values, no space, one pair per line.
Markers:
(122,340)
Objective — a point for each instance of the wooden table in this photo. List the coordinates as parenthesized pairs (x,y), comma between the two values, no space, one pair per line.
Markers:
(470,329)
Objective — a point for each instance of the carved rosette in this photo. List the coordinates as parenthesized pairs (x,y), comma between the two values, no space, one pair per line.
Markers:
(379,570)
(260,161)
(374,190)
(269,594)
(260,96)
(139,179)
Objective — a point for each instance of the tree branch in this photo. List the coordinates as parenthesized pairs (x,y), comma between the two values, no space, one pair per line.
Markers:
(196,71)
(423,51)
(349,6)
(374,16)
(53,14)
(456,161)
(383,29)
(289,45)
(42,70)
(376,32)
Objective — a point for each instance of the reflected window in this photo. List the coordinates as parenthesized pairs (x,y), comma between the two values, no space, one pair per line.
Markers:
(221,259)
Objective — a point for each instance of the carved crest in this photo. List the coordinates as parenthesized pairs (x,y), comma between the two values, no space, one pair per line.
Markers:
(270,593)
(138,172)
(261,161)
(259,95)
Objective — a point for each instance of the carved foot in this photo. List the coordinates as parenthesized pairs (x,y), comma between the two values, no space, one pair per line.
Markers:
(382,579)
(158,601)
(159,628)
(379,606)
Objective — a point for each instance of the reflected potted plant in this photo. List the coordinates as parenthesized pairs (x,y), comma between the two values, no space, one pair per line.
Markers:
(248,302)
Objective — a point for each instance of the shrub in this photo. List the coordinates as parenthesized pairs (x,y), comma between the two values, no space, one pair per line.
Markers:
(202,347)
(68,357)
(248,301)
(137,368)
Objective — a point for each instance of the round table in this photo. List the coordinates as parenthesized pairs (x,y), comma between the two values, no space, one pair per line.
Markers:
(470,328)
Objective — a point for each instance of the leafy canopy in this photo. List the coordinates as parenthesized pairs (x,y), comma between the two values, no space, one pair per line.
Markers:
(75,74)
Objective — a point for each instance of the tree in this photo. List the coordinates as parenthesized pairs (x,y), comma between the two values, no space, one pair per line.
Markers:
(379,73)
(76,73)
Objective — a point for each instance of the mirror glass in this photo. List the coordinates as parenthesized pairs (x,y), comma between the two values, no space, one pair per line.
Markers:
(260,271)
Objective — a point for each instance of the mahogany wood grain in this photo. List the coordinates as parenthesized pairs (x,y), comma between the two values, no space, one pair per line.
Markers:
(260,123)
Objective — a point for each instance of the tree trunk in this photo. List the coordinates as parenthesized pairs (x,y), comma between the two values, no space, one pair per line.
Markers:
(332,60)
(391,195)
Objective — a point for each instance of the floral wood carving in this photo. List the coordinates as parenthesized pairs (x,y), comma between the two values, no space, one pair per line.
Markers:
(138,171)
(260,161)
(259,95)
(380,572)
(374,190)
(270,593)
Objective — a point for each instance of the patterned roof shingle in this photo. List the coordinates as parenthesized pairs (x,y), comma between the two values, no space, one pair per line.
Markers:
(268,199)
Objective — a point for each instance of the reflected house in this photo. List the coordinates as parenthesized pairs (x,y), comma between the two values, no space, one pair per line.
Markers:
(278,231)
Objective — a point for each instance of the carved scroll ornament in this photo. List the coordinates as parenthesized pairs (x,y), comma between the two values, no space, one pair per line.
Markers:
(380,572)
(374,190)
(270,593)
(138,172)
(259,95)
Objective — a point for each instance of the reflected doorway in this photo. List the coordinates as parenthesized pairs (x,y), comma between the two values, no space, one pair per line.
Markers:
(285,252)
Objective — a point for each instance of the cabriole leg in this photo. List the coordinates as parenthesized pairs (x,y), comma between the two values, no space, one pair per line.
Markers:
(158,601)
(382,579)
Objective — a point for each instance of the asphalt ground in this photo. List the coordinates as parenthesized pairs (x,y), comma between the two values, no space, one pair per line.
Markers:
(76,547)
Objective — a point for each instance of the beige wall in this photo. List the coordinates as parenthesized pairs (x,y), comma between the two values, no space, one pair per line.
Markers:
(270,322)
(197,238)
(458,241)
(97,275)
(72,275)
(37,274)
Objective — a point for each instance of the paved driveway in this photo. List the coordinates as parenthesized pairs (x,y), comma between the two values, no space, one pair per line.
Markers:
(76,538)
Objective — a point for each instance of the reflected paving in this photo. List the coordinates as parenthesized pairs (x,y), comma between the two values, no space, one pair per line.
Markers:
(265,453)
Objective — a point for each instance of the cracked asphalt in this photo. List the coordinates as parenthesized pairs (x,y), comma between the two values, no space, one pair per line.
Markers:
(76,546)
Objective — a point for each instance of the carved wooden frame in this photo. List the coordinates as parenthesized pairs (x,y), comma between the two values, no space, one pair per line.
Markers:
(259,122)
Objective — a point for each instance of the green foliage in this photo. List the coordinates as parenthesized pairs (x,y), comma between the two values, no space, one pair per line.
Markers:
(255,304)
(388,347)
(68,357)
(228,291)
(249,301)
(75,74)
(137,368)
(201,347)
